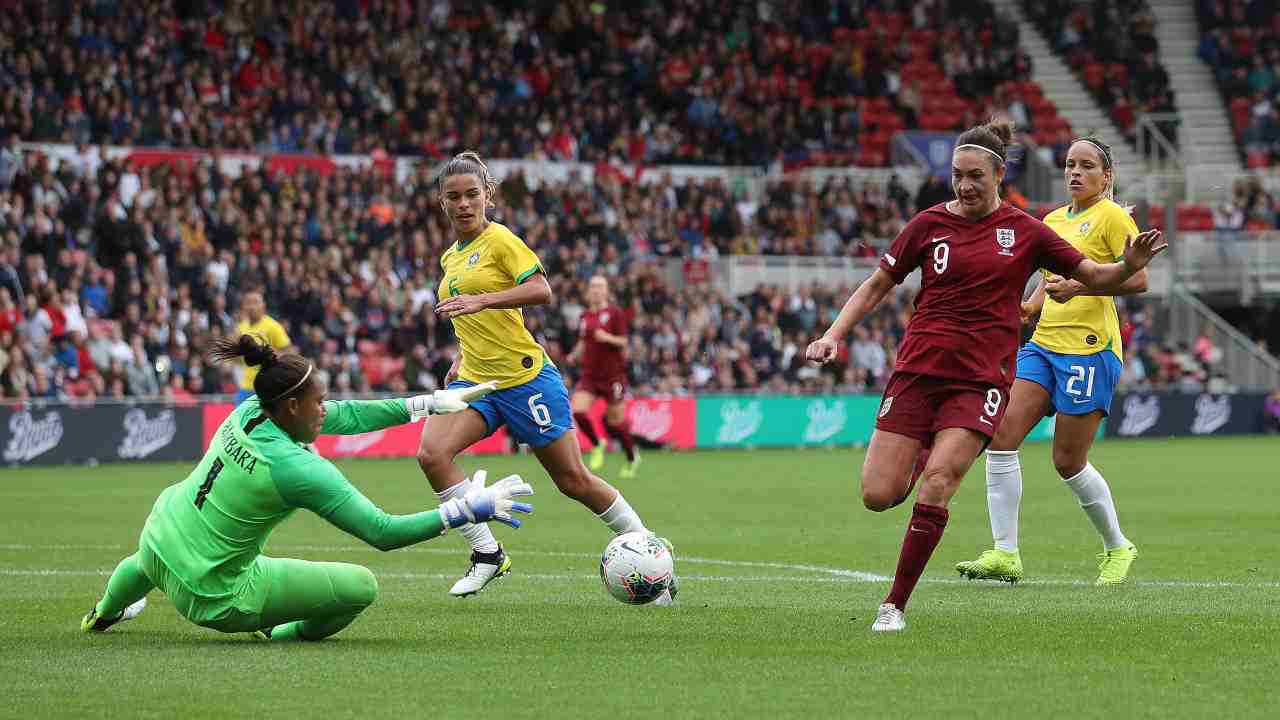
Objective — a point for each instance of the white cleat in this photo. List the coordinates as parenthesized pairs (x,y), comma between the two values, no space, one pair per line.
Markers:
(485,568)
(134,610)
(889,619)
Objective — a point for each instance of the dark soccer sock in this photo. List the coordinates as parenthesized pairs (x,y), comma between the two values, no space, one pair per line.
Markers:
(587,427)
(924,530)
(622,433)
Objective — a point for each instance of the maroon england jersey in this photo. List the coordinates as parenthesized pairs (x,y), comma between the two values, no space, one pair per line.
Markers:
(967,323)
(601,361)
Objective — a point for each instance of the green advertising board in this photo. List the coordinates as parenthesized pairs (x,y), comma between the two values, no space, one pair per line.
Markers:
(764,421)
(743,421)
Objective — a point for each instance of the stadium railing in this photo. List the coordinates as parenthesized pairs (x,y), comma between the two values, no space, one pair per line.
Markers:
(1243,361)
(742,181)
(1234,261)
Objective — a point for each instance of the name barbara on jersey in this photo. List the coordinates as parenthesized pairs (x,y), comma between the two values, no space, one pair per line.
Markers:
(236,452)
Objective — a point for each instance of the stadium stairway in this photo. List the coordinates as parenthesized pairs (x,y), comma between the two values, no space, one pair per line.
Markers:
(1066,90)
(1207,141)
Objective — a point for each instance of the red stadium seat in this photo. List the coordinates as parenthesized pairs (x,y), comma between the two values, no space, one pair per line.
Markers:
(871,158)
(1193,217)
(1094,75)
(1241,120)
(1156,220)
(922,37)
(1258,159)
(1118,74)
(1242,41)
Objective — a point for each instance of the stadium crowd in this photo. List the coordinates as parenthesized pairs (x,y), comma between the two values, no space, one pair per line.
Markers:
(1112,46)
(113,278)
(687,81)
(1241,42)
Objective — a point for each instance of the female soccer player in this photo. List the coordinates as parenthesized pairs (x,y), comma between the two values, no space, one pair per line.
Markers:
(602,344)
(202,543)
(489,274)
(949,388)
(1070,367)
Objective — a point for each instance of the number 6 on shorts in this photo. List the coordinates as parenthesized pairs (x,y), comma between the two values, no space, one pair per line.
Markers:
(541,415)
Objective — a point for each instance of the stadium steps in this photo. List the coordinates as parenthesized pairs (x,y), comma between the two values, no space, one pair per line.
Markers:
(1207,141)
(1066,90)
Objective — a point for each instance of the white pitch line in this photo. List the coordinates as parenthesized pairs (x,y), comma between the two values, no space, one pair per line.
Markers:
(453,575)
(838,577)
(833,574)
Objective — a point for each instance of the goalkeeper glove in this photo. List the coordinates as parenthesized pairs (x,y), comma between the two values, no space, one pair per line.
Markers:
(443,402)
(482,504)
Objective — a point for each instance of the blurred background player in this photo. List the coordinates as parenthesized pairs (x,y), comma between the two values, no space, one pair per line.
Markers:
(255,321)
(950,384)
(202,543)
(1070,367)
(489,274)
(602,351)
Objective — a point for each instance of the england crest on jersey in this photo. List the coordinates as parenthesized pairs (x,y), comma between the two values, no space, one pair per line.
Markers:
(1005,239)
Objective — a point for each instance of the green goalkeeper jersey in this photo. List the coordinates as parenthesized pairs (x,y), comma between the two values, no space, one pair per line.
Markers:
(209,528)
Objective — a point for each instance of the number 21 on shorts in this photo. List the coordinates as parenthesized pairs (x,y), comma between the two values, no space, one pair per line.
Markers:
(1078,376)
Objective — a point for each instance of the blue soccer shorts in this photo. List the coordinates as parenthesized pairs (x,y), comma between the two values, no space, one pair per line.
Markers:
(536,413)
(1077,384)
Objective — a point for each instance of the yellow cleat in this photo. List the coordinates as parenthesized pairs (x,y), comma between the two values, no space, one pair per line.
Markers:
(629,470)
(1113,565)
(595,457)
(1001,565)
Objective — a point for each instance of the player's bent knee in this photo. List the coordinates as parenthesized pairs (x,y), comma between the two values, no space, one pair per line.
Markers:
(878,499)
(937,485)
(433,459)
(1069,465)
(358,587)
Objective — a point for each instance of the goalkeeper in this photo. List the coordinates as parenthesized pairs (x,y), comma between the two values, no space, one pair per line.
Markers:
(202,543)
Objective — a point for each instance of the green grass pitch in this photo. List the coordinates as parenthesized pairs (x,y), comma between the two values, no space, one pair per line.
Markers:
(780,566)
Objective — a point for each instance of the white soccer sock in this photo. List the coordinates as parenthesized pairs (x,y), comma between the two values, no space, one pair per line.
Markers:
(621,518)
(478,534)
(1004,496)
(1095,499)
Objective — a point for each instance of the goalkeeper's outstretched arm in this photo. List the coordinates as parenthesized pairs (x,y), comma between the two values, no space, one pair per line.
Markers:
(315,484)
(352,417)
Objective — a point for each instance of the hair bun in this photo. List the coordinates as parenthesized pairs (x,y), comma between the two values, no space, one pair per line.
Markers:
(256,352)
(1002,129)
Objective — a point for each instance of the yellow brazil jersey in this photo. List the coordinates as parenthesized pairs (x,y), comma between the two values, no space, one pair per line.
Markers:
(270,332)
(1086,324)
(495,343)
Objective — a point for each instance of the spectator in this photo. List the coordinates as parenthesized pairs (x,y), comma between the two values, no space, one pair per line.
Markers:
(1271,412)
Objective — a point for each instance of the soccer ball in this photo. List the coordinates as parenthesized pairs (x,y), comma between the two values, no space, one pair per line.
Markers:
(636,568)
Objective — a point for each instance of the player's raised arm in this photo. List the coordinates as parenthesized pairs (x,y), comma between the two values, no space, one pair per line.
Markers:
(1109,278)
(863,300)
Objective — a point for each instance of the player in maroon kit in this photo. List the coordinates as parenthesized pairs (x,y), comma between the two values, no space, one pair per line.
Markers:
(951,381)
(602,345)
